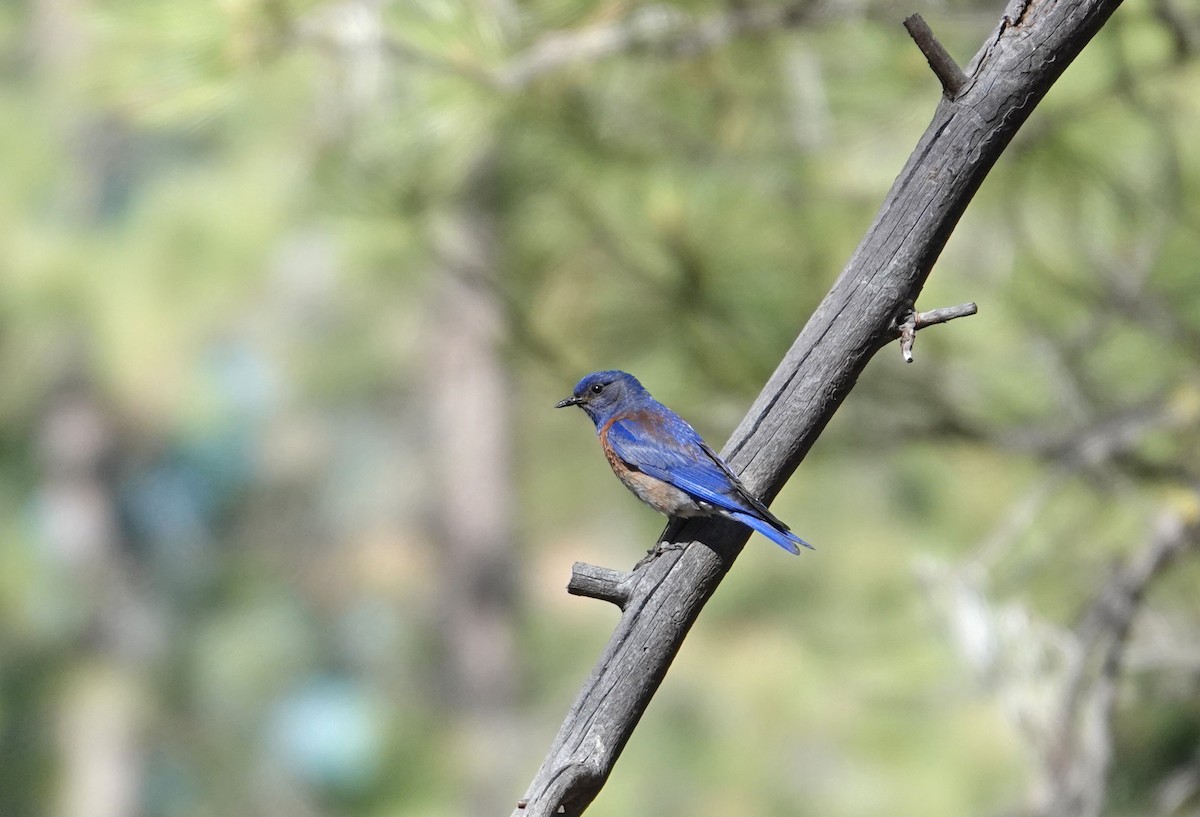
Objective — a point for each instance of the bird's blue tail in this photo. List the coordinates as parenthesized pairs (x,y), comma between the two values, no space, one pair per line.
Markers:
(784,538)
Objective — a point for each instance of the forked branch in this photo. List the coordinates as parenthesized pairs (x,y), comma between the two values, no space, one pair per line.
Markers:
(909,320)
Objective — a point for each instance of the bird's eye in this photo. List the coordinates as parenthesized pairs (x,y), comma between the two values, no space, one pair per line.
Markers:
(597,388)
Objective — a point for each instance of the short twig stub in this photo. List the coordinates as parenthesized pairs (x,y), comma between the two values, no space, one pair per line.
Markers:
(602,583)
(948,73)
(908,321)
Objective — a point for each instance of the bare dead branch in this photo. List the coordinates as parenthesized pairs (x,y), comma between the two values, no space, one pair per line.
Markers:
(1059,687)
(945,313)
(1108,619)
(908,321)
(601,583)
(1025,54)
(662,30)
(658,29)
(944,67)
(1081,746)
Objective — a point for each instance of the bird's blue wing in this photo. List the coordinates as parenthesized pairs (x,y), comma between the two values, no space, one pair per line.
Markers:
(663,445)
(667,448)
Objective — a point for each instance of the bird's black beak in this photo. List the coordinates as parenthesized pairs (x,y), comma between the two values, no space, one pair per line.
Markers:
(570,401)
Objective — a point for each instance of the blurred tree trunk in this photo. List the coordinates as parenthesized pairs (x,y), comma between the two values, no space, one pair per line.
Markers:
(98,711)
(95,142)
(469,391)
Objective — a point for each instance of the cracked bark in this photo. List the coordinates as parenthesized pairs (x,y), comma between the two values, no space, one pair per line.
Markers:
(1029,49)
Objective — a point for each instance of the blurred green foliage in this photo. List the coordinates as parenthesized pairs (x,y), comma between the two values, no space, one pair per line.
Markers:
(222,229)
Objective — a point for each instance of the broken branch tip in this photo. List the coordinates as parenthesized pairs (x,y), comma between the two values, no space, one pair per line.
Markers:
(942,64)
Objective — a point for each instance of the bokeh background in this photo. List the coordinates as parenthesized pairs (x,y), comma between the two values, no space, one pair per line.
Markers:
(288,291)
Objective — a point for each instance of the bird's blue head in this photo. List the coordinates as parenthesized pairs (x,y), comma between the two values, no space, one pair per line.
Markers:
(604,394)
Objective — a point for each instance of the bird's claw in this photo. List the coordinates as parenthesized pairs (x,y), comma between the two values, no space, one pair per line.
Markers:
(658,550)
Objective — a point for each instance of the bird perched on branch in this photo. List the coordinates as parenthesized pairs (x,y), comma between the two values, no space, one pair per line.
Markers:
(662,459)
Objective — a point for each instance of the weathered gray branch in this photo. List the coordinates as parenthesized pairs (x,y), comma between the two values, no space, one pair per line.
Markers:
(909,320)
(601,583)
(943,65)
(1032,45)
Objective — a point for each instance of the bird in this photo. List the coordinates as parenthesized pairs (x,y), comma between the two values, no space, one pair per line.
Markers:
(660,458)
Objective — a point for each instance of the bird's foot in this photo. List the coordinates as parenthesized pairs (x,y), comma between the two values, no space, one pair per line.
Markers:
(658,550)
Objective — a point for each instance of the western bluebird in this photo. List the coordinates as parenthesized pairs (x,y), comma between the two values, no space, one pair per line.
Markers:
(662,459)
